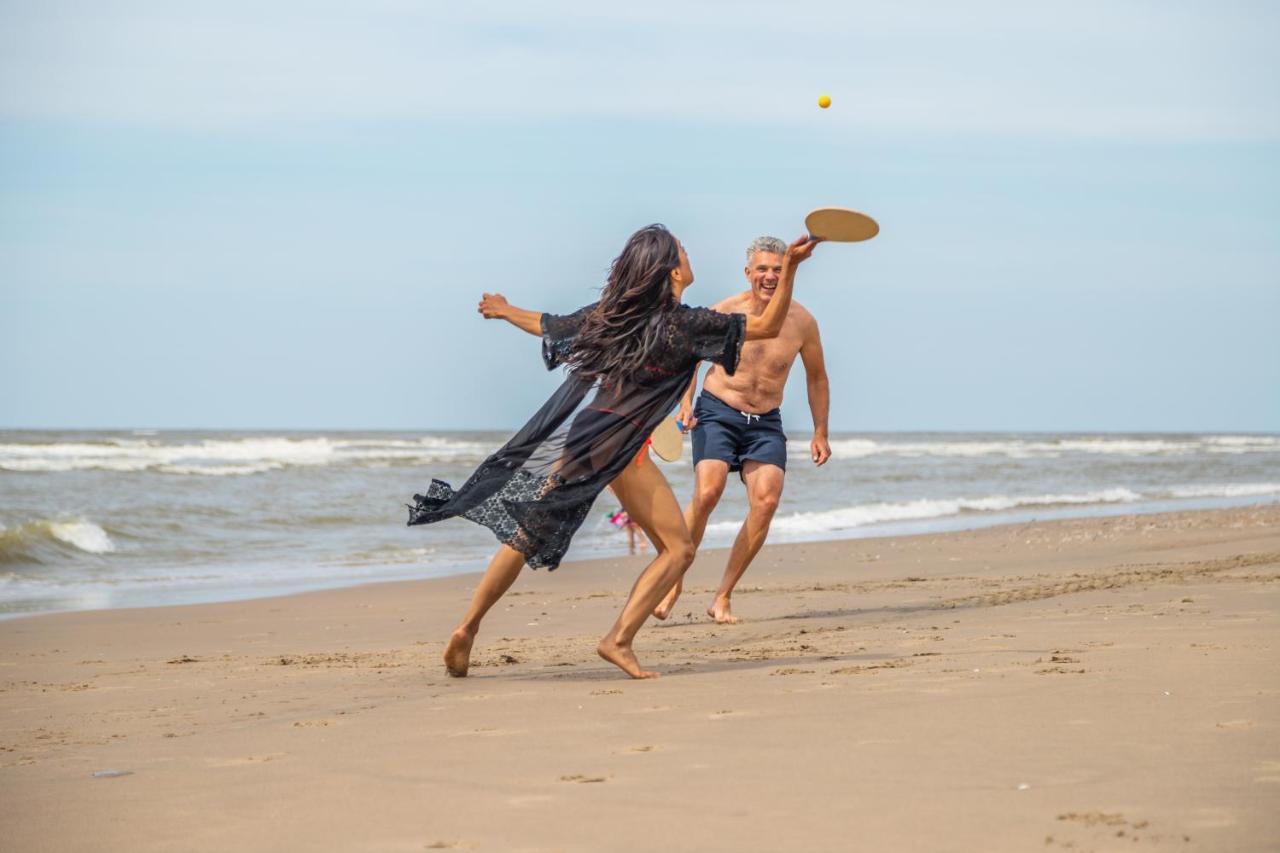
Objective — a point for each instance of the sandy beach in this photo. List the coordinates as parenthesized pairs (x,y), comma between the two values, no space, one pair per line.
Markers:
(1094,684)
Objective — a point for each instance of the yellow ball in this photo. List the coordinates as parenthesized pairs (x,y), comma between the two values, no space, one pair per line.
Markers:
(824,101)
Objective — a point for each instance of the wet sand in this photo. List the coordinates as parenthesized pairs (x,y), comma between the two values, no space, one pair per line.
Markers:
(1095,684)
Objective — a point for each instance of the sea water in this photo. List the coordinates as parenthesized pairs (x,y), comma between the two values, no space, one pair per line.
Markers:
(136,518)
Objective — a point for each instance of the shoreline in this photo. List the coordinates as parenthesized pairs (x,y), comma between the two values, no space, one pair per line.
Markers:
(1088,684)
(187,595)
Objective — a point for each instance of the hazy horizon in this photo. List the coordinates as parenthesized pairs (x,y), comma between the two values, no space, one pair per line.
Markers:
(1079,207)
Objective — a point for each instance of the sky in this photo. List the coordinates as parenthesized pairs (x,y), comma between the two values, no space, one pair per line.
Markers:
(281,216)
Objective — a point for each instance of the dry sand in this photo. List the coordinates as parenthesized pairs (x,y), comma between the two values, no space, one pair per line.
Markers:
(1101,684)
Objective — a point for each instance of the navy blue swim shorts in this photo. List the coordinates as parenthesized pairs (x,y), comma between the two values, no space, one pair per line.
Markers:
(724,433)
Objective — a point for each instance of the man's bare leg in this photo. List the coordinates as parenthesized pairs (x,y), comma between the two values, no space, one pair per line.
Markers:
(503,570)
(764,490)
(647,498)
(709,479)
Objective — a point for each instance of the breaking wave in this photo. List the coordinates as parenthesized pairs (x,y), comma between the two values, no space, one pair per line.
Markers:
(861,515)
(145,451)
(49,541)
(1226,490)
(1047,448)
(236,456)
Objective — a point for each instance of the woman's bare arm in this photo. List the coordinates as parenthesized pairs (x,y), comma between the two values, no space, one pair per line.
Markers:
(494,306)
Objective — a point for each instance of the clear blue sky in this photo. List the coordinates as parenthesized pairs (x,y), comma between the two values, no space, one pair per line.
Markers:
(282,215)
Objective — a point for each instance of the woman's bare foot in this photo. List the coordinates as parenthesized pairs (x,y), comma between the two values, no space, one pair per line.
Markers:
(722,612)
(623,658)
(457,654)
(663,610)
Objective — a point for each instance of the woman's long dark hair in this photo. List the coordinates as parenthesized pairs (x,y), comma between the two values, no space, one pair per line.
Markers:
(617,337)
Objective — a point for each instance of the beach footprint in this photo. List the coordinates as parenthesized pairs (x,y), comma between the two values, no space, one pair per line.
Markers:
(529,800)
(792,670)
(486,731)
(1235,725)
(246,760)
(729,713)
(1269,772)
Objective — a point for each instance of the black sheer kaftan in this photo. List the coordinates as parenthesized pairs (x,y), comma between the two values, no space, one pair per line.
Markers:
(536,490)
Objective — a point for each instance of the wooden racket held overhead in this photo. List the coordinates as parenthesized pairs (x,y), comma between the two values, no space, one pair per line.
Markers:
(841,225)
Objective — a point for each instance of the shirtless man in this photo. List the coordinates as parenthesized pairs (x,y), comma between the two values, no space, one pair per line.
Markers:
(737,426)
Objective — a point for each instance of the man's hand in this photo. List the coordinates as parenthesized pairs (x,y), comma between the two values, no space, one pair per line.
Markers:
(686,417)
(800,250)
(493,306)
(820,449)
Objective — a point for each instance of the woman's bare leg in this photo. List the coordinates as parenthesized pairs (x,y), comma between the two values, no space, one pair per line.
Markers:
(647,498)
(503,570)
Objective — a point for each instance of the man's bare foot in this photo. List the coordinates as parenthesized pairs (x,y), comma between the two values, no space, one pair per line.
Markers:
(663,610)
(457,654)
(722,612)
(623,658)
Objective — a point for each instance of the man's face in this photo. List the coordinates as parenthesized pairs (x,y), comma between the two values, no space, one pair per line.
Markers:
(763,272)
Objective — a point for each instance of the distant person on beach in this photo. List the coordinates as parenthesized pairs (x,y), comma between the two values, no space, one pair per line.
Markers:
(737,425)
(631,355)
(635,537)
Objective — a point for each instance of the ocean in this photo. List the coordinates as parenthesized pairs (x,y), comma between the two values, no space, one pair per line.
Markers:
(141,518)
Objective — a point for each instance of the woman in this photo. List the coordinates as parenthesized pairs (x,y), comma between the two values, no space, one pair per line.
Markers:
(632,354)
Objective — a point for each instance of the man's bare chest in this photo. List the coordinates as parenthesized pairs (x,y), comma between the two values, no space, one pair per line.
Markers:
(772,357)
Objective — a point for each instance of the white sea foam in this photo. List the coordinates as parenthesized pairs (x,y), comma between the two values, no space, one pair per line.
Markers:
(221,457)
(84,535)
(1017,448)
(1243,444)
(842,448)
(861,515)
(386,556)
(1226,490)
(52,540)
(219,470)
(238,456)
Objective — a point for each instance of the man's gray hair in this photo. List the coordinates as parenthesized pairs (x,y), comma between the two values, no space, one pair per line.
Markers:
(766,244)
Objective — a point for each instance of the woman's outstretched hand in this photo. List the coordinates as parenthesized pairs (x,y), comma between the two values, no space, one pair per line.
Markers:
(493,306)
(800,250)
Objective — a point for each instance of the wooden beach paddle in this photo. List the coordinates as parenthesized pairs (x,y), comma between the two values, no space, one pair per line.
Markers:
(667,441)
(841,225)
